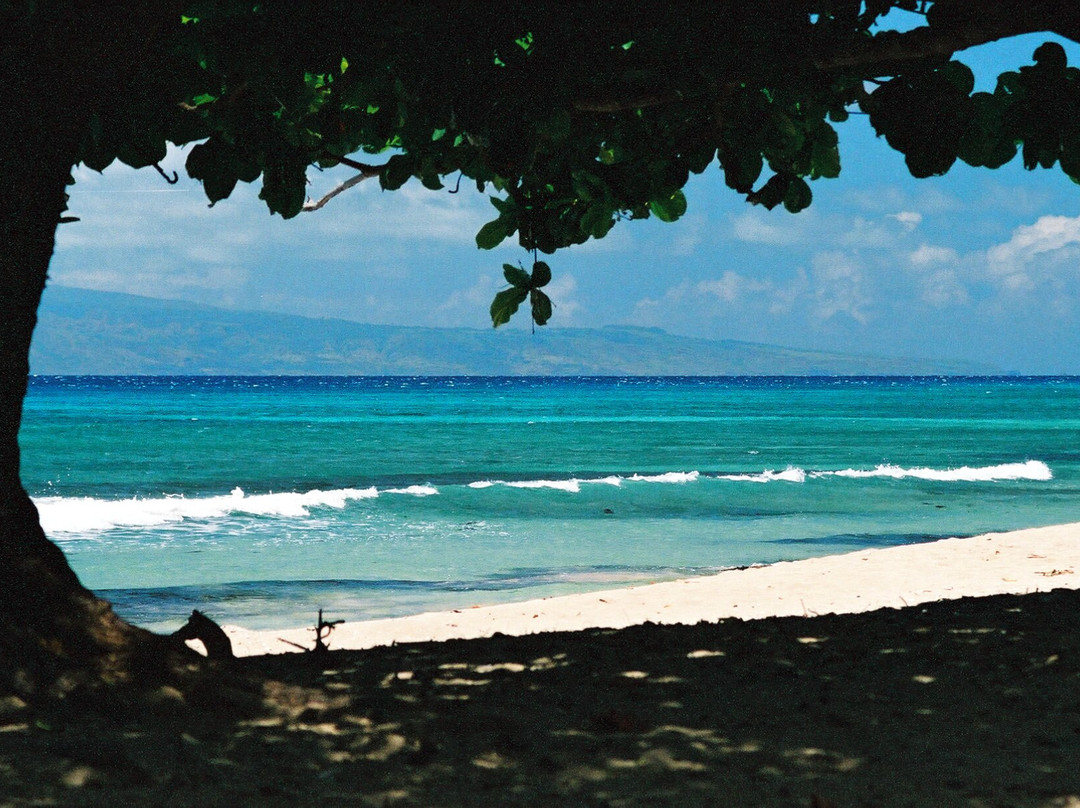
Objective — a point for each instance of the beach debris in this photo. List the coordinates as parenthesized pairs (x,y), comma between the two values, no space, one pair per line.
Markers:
(202,628)
(322,632)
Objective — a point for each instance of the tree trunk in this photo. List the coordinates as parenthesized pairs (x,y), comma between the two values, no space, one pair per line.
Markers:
(50,625)
(58,65)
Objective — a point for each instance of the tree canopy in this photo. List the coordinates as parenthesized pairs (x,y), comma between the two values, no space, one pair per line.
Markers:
(576,117)
(571,117)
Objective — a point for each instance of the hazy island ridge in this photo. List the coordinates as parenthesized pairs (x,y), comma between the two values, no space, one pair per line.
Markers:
(87,332)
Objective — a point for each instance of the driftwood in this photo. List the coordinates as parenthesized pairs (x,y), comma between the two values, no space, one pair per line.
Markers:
(322,631)
(202,628)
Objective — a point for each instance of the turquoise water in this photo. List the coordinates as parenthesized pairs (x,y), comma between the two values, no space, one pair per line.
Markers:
(260,500)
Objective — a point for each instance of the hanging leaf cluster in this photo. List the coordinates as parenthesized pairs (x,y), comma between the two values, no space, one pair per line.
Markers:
(523,285)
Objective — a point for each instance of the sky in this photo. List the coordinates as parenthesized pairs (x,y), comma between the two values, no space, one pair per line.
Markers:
(977,265)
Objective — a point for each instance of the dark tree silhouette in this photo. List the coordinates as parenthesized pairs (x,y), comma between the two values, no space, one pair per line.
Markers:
(572,116)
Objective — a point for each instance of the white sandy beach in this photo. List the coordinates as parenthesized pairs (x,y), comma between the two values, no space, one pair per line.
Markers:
(1018,562)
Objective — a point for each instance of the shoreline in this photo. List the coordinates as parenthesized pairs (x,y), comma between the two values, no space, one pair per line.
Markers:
(1015,562)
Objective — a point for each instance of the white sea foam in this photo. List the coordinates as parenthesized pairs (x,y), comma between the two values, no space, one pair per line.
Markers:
(613,480)
(414,490)
(87,514)
(789,475)
(573,486)
(669,477)
(1029,470)
(60,515)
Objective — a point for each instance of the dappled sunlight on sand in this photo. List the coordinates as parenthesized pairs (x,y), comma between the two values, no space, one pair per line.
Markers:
(968,703)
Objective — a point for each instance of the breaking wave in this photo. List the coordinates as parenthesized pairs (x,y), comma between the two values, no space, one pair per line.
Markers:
(79,514)
(72,515)
(1030,470)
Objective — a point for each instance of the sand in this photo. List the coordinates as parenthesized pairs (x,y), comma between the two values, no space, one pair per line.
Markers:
(1019,562)
(887,686)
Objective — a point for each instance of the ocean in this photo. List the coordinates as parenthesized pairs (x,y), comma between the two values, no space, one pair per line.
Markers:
(261,500)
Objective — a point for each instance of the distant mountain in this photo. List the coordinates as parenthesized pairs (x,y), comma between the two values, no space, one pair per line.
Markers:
(88,332)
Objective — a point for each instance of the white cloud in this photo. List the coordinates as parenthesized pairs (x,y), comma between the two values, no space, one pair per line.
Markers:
(689,235)
(838,287)
(942,287)
(784,298)
(731,286)
(867,234)
(835,286)
(755,228)
(562,290)
(1037,254)
(908,218)
(652,311)
(1049,233)
(476,297)
(936,274)
(412,213)
(151,281)
(927,255)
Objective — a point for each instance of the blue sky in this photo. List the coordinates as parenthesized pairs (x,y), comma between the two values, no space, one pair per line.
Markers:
(977,265)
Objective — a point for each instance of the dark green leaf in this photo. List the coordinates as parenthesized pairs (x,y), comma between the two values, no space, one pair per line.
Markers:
(700,159)
(219,185)
(208,162)
(1051,55)
(505,304)
(492,234)
(924,116)
(284,189)
(960,76)
(929,161)
(985,142)
(772,192)
(798,195)
(597,220)
(516,276)
(541,306)
(669,209)
(742,169)
(825,154)
(501,205)
(541,274)
(247,168)
(142,152)
(397,172)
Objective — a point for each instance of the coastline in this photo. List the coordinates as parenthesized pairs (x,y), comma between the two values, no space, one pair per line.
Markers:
(1016,562)
(967,701)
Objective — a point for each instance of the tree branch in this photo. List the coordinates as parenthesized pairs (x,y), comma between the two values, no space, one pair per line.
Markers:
(953,25)
(368,173)
(641,101)
(363,167)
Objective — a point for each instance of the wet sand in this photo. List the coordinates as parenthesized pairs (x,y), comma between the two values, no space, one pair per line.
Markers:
(1019,562)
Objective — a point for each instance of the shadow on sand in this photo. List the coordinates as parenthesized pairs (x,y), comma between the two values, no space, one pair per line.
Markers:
(959,703)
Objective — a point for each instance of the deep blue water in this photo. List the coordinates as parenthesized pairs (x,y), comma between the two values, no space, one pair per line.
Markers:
(260,500)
